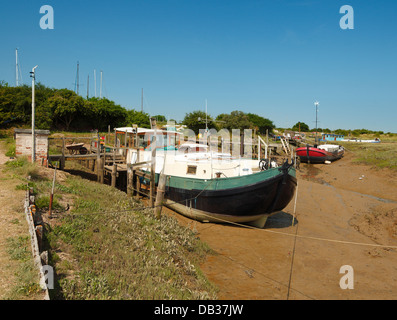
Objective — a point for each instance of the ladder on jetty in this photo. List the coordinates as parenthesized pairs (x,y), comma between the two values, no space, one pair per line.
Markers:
(285,144)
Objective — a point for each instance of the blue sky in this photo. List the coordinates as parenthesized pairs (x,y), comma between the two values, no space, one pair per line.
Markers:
(273,58)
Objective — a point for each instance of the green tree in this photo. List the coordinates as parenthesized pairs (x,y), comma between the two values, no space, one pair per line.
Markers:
(301,126)
(141,119)
(160,118)
(261,123)
(196,120)
(15,104)
(101,113)
(234,120)
(65,105)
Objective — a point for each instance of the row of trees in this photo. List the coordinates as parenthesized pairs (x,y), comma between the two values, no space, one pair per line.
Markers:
(197,120)
(303,127)
(63,109)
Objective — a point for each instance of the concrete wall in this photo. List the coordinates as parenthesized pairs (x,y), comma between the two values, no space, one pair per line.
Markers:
(23,139)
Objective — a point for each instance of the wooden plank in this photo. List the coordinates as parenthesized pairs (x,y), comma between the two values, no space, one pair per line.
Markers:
(139,164)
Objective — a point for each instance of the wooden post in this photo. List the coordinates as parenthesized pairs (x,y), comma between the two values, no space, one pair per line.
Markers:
(98,160)
(100,169)
(52,193)
(160,190)
(62,161)
(259,148)
(114,174)
(138,187)
(242,144)
(130,177)
(160,195)
(153,146)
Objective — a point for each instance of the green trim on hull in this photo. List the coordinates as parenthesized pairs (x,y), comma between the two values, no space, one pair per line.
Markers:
(223,183)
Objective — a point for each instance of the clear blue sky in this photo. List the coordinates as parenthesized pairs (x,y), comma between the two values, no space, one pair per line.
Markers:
(273,58)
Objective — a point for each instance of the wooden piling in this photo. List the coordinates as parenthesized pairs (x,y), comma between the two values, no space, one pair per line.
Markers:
(130,178)
(52,193)
(98,161)
(160,195)
(153,146)
(114,174)
(62,160)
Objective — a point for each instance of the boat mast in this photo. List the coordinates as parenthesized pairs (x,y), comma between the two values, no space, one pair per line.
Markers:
(206,117)
(100,89)
(142,101)
(77,79)
(16,67)
(95,81)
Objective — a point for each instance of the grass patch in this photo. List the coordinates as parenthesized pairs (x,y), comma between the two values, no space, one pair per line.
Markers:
(382,155)
(378,155)
(108,247)
(23,168)
(27,280)
(9,144)
(118,252)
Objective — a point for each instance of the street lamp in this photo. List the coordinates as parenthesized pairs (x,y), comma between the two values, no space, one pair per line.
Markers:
(316,104)
(32,74)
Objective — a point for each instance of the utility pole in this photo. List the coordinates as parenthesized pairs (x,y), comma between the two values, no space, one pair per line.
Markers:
(88,86)
(16,67)
(95,81)
(32,74)
(100,89)
(77,79)
(142,101)
(316,104)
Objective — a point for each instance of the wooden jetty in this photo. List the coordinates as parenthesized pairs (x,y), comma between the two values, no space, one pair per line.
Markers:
(106,157)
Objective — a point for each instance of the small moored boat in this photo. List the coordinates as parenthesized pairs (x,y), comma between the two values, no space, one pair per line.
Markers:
(320,154)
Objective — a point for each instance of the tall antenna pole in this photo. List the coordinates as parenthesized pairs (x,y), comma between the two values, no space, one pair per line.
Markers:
(88,86)
(16,68)
(206,117)
(142,101)
(32,74)
(100,89)
(77,79)
(316,104)
(95,81)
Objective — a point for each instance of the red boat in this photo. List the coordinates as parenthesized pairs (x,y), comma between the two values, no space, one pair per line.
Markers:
(320,154)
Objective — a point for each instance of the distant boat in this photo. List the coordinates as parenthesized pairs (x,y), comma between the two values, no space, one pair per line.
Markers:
(376,140)
(320,154)
(331,137)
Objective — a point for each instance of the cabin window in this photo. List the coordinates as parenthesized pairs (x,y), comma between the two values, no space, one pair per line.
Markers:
(191,169)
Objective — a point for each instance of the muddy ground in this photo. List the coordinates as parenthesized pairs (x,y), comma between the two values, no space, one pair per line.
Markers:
(345,214)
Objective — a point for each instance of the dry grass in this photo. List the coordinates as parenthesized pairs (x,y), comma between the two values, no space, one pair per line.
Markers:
(380,155)
(108,247)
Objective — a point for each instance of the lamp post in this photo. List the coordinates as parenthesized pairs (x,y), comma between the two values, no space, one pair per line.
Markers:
(316,104)
(32,74)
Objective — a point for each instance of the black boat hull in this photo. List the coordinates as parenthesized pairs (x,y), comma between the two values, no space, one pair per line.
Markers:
(247,204)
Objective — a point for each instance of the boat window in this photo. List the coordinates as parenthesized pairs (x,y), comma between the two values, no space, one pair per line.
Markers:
(141,141)
(191,169)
